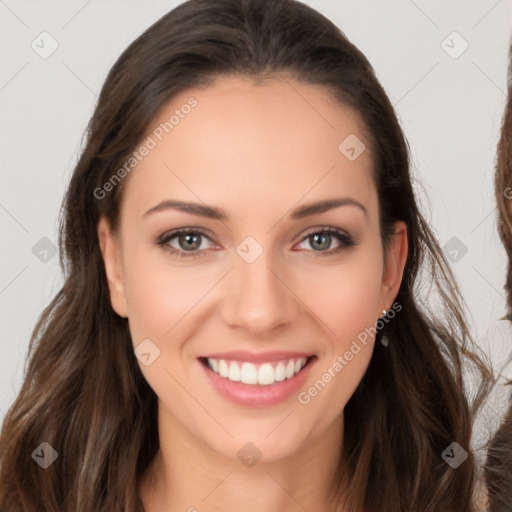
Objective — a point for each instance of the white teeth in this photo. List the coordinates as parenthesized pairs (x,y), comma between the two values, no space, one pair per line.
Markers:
(234,372)
(290,369)
(214,365)
(223,368)
(280,373)
(264,374)
(248,373)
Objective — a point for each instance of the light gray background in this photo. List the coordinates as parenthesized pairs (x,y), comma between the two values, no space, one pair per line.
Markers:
(450,109)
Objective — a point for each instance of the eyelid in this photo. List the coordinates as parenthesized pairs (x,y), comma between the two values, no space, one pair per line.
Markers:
(324,229)
(163,241)
(346,241)
(168,235)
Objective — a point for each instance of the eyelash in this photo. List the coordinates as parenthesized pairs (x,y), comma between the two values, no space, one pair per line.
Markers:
(346,241)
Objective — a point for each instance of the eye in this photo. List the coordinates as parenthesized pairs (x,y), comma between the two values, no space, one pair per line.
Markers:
(190,242)
(321,241)
(184,242)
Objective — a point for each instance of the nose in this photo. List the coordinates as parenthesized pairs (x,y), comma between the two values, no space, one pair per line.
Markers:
(259,298)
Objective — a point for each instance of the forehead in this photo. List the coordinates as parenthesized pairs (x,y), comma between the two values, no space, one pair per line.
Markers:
(273,141)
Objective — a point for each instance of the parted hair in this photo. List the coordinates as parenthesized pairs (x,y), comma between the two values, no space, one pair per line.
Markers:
(83,391)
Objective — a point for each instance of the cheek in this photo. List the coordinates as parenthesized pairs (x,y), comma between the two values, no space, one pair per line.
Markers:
(164,300)
(160,293)
(348,302)
(347,298)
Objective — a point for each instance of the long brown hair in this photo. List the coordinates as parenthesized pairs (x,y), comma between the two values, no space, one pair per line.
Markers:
(498,467)
(83,392)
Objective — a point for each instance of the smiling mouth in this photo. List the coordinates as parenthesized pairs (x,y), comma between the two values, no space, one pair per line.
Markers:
(264,374)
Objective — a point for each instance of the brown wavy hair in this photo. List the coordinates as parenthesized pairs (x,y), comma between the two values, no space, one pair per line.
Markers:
(83,391)
(498,467)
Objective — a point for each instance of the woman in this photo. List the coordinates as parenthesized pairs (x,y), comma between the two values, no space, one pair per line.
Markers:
(240,325)
(498,468)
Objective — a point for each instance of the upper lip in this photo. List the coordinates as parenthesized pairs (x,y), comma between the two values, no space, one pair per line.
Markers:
(261,357)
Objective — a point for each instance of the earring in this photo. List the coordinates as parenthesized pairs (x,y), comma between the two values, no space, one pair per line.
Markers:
(384,340)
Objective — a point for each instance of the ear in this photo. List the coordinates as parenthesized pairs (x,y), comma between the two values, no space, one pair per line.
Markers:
(111,253)
(396,257)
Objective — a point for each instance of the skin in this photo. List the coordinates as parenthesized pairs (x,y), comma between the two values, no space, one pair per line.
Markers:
(258,152)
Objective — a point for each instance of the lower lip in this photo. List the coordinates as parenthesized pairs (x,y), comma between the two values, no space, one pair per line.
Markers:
(252,395)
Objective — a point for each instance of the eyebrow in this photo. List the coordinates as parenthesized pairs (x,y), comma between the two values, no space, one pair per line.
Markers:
(211,212)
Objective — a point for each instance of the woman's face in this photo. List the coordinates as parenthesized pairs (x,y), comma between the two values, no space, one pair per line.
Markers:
(266,275)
